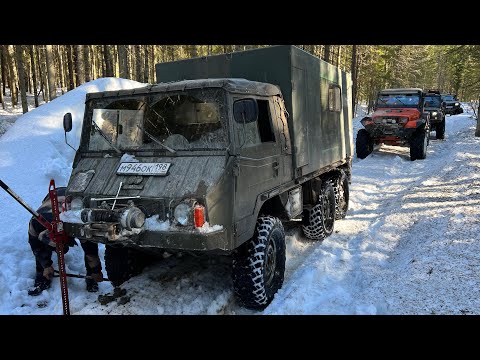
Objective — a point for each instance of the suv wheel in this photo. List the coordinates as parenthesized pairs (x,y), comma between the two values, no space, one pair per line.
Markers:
(341,189)
(122,263)
(418,145)
(320,219)
(259,264)
(440,130)
(363,144)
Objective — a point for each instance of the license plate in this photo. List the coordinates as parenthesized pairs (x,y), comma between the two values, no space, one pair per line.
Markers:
(136,168)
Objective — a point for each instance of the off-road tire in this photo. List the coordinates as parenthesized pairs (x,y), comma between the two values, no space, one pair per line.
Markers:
(259,264)
(341,187)
(122,263)
(418,145)
(363,144)
(319,221)
(440,130)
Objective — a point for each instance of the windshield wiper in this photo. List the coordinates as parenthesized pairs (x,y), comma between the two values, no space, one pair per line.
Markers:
(105,137)
(154,139)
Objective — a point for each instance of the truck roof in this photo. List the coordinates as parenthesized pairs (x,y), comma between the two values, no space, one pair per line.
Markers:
(235,85)
(400,91)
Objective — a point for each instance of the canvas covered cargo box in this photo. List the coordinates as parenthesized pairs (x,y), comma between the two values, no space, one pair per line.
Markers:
(317,96)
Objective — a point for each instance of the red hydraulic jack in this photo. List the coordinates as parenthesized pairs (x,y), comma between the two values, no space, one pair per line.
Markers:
(57,235)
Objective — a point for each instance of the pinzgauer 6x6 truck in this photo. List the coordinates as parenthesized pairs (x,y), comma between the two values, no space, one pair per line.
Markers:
(215,158)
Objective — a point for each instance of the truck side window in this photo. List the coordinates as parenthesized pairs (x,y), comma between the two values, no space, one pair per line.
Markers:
(334,98)
(265,122)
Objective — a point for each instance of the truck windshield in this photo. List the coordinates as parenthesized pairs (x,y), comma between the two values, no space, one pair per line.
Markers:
(432,101)
(398,100)
(188,120)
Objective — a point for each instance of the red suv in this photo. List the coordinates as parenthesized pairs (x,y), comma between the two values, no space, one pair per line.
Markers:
(399,119)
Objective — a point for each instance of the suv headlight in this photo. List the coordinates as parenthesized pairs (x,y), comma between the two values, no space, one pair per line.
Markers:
(456,104)
(434,113)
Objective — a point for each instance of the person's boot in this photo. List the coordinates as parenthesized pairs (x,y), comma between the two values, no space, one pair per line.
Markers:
(41,283)
(92,285)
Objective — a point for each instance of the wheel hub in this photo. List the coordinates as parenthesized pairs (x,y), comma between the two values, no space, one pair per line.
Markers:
(270,262)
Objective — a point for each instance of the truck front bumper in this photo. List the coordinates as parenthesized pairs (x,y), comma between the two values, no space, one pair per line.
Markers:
(192,240)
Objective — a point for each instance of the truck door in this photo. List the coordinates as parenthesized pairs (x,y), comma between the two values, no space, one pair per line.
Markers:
(258,155)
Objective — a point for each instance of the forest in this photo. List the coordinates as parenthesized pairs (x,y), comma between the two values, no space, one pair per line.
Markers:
(42,69)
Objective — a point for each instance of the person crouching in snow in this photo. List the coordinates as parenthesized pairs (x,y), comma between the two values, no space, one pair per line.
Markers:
(42,248)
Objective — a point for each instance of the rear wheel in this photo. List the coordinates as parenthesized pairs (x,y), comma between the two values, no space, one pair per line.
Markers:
(341,189)
(259,264)
(363,144)
(122,263)
(418,145)
(440,130)
(320,219)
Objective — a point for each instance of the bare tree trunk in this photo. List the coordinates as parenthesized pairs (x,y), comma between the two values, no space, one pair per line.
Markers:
(52,89)
(326,55)
(12,78)
(193,51)
(339,55)
(477,130)
(354,69)
(21,77)
(43,85)
(58,52)
(147,65)
(28,81)
(3,69)
(107,57)
(138,64)
(152,62)
(94,63)
(2,81)
(86,62)
(79,65)
(123,61)
(34,74)
(71,78)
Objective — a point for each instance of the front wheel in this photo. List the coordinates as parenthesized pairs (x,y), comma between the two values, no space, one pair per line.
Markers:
(440,130)
(259,264)
(363,144)
(418,145)
(122,263)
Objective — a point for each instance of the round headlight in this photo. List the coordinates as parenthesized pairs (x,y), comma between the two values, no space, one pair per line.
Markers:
(456,104)
(434,113)
(76,203)
(182,213)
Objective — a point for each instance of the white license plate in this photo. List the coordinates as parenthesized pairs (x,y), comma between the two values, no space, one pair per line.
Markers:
(136,168)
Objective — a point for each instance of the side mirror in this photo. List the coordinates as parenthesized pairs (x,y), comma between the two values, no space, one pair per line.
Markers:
(245,110)
(67,122)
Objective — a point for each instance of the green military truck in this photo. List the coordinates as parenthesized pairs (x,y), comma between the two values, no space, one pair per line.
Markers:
(215,158)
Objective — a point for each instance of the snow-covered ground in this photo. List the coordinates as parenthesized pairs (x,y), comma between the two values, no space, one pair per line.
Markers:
(409,244)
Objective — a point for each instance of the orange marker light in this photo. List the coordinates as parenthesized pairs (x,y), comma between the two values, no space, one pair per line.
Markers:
(199,216)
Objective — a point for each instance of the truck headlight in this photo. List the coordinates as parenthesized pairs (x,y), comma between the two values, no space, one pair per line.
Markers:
(182,213)
(434,113)
(76,203)
(457,104)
